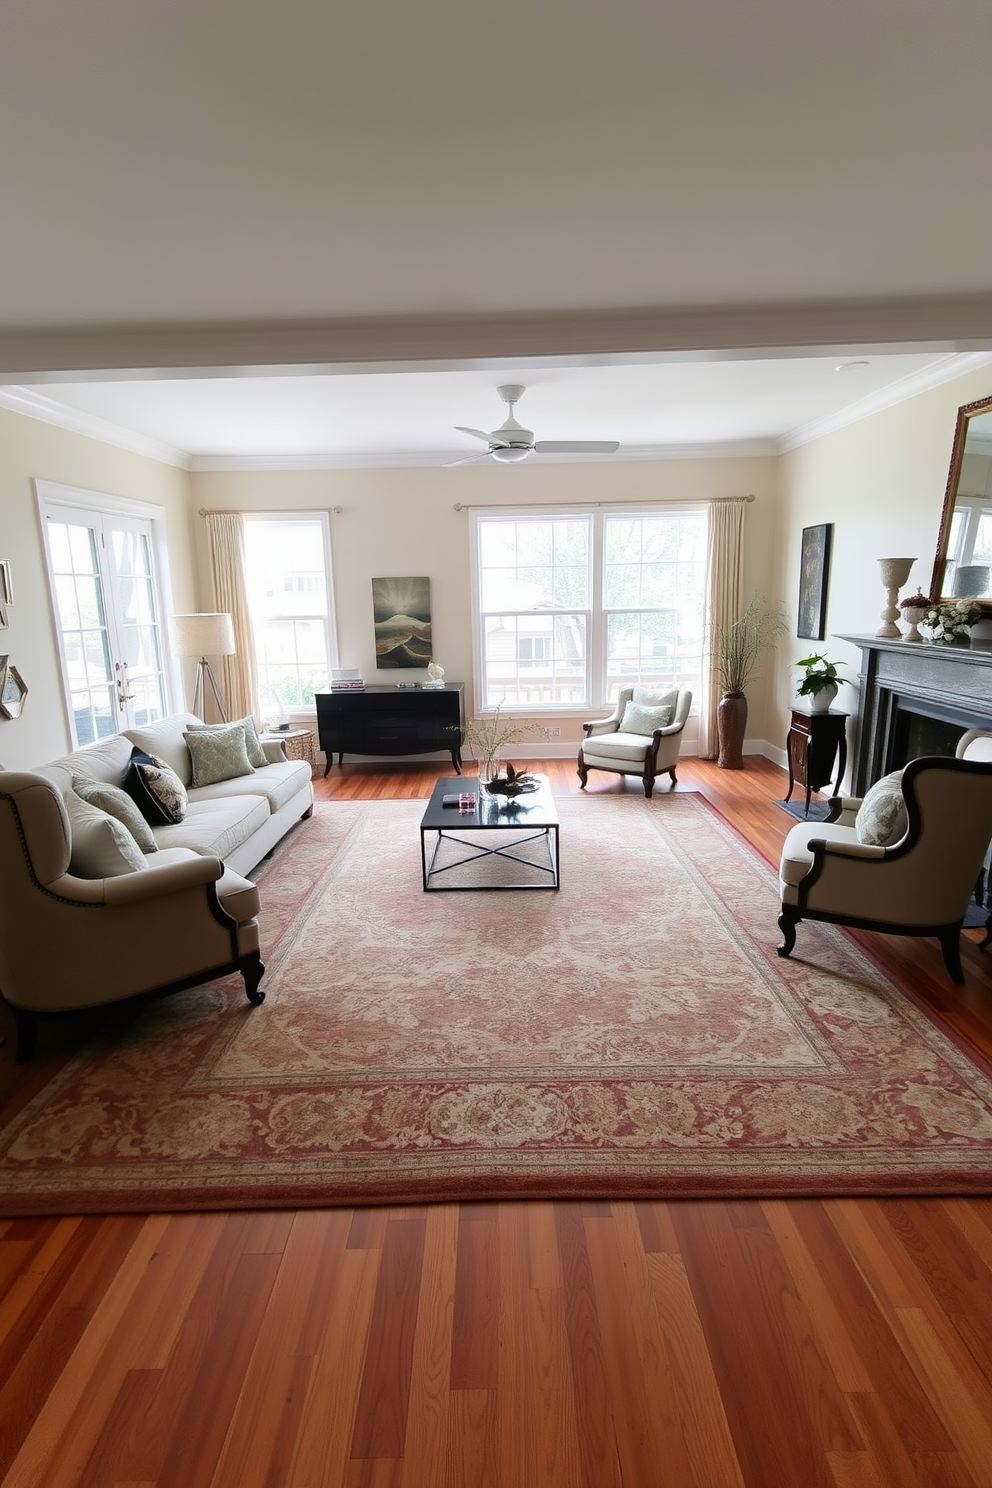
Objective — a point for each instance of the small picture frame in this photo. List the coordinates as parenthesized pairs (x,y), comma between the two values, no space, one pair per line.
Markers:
(6,590)
(4,622)
(13,691)
(814,574)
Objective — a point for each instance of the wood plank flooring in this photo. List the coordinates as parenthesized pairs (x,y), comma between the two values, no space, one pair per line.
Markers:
(844,1343)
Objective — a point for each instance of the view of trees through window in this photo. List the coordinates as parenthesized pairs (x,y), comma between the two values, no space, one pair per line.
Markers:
(574,606)
(286,575)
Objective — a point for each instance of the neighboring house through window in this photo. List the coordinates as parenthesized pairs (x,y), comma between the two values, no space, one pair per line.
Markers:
(573,605)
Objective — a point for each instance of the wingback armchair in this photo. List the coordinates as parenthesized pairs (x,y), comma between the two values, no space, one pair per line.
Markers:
(921,885)
(68,943)
(607,746)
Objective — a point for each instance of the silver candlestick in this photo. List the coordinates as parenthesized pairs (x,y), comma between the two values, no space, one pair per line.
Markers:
(894,573)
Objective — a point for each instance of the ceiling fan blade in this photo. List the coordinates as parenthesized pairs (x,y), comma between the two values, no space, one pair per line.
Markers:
(469,460)
(476,432)
(577,446)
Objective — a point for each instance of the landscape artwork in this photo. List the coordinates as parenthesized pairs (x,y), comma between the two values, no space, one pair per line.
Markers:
(402,612)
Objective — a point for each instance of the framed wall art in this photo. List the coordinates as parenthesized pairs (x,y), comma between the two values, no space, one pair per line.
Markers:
(12,692)
(402,612)
(814,574)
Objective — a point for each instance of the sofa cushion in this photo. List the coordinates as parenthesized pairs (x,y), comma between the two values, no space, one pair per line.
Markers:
(256,754)
(626,748)
(216,828)
(639,718)
(278,783)
(105,760)
(116,802)
(882,818)
(218,754)
(797,855)
(165,738)
(156,790)
(102,846)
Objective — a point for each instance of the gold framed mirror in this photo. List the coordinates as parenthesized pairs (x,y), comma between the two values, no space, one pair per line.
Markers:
(963,565)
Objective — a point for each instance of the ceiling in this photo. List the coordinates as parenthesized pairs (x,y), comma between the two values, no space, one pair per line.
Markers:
(323,232)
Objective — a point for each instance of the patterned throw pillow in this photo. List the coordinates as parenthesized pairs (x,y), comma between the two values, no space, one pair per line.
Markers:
(882,817)
(101,846)
(256,754)
(651,697)
(115,802)
(218,754)
(639,720)
(156,790)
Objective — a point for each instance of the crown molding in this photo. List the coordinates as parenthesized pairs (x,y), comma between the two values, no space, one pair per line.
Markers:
(50,411)
(946,370)
(950,323)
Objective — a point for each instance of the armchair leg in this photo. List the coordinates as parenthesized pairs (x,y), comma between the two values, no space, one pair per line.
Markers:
(252,970)
(674,778)
(648,785)
(26,1025)
(582,773)
(787,922)
(950,944)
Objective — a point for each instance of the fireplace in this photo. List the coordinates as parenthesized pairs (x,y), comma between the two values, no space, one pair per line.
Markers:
(915,700)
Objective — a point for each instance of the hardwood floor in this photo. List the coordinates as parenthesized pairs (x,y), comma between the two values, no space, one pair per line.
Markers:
(843,1343)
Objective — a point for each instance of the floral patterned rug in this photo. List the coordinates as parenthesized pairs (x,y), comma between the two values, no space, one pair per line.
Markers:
(632,1034)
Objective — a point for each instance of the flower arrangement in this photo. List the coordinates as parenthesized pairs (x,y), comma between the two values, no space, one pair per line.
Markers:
(951,620)
(820,675)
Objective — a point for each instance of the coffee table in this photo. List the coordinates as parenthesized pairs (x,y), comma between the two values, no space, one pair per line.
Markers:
(459,839)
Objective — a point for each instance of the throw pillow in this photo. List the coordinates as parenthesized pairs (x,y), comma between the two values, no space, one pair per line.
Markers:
(115,802)
(256,754)
(638,720)
(651,697)
(156,790)
(217,755)
(101,846)
(882,817)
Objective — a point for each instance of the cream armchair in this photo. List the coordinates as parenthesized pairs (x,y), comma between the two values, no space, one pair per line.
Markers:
(607,747)
(68,943)
(919,886)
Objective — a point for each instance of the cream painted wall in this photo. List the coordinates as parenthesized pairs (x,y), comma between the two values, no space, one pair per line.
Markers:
(396,522)
(31,449)
(881,483)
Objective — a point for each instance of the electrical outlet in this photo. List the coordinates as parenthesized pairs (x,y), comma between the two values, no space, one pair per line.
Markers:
(553,733)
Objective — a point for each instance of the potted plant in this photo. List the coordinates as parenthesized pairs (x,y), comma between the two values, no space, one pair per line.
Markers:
(819,682)
(739,645)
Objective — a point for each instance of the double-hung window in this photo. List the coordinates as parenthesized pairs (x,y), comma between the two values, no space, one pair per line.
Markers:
(573,605)
(288,585)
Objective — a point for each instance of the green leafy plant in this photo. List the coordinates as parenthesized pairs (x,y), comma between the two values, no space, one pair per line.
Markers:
(819,674)
(740,643)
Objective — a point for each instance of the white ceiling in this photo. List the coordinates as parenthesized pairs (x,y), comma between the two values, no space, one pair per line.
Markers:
(781,186)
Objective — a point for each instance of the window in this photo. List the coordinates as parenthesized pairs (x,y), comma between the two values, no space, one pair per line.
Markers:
(288,582)
(574,605)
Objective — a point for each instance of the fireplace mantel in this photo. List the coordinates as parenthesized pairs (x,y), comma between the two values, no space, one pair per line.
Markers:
(946,681)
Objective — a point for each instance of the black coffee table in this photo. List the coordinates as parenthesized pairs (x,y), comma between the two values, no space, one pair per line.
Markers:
(466,838)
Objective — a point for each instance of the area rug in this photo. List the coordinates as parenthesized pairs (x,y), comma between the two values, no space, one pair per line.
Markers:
(633,1034)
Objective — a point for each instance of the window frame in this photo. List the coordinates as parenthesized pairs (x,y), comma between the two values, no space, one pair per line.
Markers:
(300,711)
(596,615)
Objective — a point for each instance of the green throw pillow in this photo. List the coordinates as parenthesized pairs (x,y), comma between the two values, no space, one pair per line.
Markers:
(639,720)
(115,802)
(102,846)
(218,754)
(256,754)
(882,817)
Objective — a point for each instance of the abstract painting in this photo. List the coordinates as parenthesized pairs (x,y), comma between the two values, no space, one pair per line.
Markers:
(814,569)
(402,612)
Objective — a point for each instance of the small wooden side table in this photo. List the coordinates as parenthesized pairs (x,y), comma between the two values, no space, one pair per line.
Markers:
(813,742)
(296,743)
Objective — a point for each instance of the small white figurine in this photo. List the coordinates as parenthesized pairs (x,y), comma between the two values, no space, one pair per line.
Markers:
(436,675)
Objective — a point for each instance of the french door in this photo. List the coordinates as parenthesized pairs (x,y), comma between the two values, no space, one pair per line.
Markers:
(109,619)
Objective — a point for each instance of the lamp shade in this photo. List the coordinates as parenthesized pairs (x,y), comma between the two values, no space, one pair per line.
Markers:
(202,635)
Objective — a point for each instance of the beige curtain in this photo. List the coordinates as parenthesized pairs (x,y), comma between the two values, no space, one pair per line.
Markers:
(226,546)
(724,587)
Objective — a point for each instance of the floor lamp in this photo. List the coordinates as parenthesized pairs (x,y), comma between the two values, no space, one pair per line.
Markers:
(202,636)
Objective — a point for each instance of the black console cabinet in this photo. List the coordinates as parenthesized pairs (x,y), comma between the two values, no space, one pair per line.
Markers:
(391,720)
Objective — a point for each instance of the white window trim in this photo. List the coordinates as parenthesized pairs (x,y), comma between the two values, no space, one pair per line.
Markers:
(53,493)
(596,660)
(303,712)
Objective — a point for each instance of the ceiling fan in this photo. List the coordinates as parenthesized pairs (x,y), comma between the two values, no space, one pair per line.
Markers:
(511,442)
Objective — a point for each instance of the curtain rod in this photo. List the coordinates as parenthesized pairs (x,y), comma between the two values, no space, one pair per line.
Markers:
(578,505)
(228,511)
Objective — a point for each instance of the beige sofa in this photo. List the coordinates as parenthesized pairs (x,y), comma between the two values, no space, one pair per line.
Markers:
(238,821)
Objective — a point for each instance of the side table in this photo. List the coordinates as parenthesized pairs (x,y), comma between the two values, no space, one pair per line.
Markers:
(296,743)
(813,742)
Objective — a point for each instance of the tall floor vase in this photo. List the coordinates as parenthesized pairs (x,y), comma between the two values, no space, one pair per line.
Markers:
(731,723)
